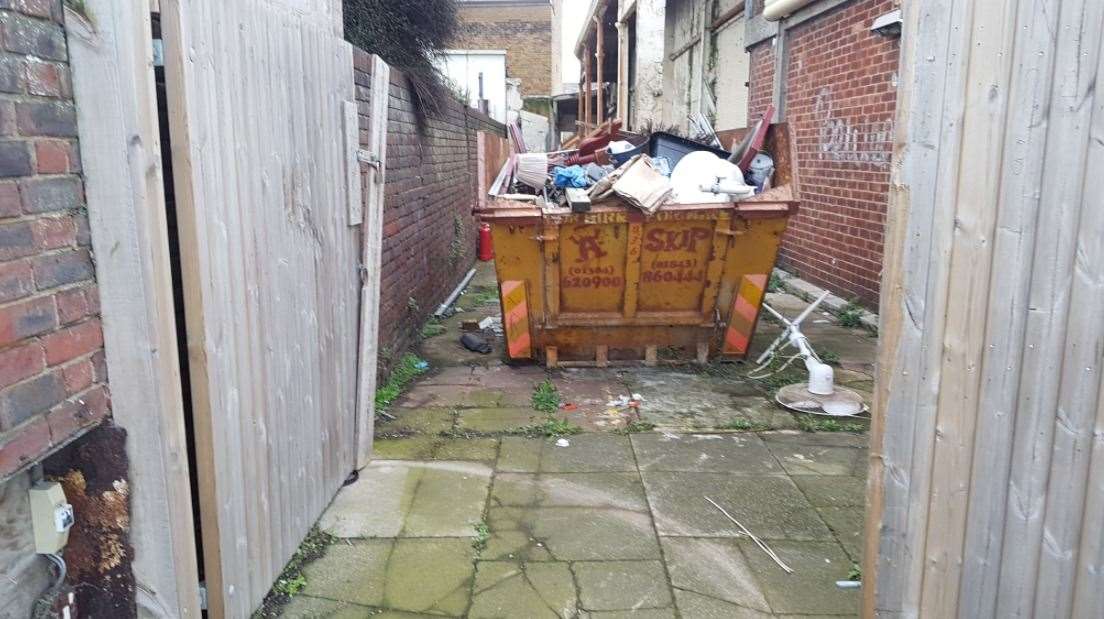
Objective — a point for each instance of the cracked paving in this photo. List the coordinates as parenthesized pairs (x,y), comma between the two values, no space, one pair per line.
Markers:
(461,514)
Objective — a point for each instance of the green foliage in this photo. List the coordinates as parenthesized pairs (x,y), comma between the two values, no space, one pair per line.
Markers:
(855,573)
(292,579)
(744,425)
(482,535)
(851,315)
(433,328)
(636,426)
(814,423)
(551,428)
(408,36)
(291,586)
(407,369)
(830,357)
(478,297)
(775,283)
(546,398)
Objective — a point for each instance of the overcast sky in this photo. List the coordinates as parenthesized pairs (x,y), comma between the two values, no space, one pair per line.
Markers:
(574,12)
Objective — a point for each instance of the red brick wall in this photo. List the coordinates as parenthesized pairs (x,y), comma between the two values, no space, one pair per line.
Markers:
(429,232)
(523,30)
(53,381)
(840,100)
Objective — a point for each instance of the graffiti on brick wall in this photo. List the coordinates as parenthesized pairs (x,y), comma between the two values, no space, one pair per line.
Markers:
(844,138)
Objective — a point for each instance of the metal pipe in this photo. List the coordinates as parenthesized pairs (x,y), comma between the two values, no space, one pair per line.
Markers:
(442,308)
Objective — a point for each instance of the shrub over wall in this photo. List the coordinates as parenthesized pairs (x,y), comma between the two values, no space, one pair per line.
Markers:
(408,36)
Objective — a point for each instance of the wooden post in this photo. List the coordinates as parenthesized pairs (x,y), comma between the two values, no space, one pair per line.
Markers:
(586,90)
(372,247)
(117,117)
(622,111)
(601,58)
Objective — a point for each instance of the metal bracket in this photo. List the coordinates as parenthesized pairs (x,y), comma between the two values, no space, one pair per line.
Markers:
(369,158)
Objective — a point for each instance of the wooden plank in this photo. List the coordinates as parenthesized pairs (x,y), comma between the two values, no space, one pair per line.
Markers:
(599,33)
(372,248)
(623,111)
(1013,242)
(257,100)
(1047,323)
(1079,393)
(352,165)
(1088,594)
(601,356)
(121,155)
(912,302)
(977,183)
(986,482)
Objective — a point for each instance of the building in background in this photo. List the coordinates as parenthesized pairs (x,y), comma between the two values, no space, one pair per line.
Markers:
(522,31)
(479,76)
(829,67)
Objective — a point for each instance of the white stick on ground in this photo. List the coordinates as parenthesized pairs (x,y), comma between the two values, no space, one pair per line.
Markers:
(758,542)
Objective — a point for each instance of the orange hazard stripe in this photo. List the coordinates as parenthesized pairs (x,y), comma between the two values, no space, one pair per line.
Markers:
(745,308)
(515,320)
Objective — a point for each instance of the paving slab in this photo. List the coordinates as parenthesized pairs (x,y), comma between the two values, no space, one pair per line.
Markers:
(847,524)
(821,439)
(714,568)
(585,453)
(417,447)
(306,607)
(507,589)
(811,589)
(413,575)
(417,420)
(740,454)
(641,613)
(574,533)
(456,375)
(609,490)
(622,585)
(450,396)
(395,498)
(832,491)
(681,399)
(816,459)
(771,507)
(696,606)
(479,449)
(496,419)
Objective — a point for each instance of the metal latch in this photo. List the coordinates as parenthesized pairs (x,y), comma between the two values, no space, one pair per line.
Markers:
(370,159)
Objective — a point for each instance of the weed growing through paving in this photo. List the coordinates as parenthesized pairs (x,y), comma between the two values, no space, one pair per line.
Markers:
(744,425)
(851,315)
(292,579)
(636,426)
(409,367)
(482,534)
(433,328)
(855,573)
(546,398)
(812,423)
(552,428)
(775,283)
(481,296)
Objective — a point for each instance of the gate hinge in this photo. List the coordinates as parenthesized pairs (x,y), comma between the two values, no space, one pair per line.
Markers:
(203,596)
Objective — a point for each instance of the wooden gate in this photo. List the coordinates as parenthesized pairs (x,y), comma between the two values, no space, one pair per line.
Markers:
(268,195)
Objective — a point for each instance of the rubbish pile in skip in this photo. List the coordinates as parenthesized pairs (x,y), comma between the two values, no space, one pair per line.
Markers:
(647,172)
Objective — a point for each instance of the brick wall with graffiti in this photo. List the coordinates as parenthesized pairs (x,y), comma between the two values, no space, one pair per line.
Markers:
(841,93)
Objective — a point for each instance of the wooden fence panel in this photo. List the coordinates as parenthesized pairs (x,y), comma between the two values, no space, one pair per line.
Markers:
(987,480)
(257,94)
